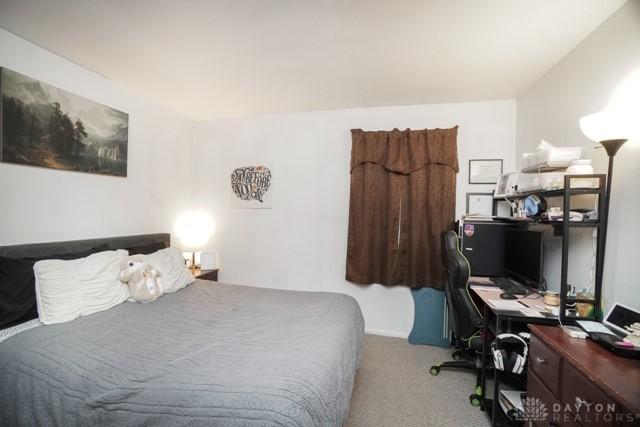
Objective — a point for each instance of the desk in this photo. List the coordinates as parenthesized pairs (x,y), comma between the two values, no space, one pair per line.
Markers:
(530,304)
(504,320)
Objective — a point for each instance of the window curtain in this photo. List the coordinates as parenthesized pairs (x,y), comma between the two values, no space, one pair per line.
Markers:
(403,186)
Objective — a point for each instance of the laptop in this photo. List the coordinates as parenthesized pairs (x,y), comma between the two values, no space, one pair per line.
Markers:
(611,332)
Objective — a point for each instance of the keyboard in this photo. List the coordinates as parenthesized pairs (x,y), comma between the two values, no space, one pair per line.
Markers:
(509,286)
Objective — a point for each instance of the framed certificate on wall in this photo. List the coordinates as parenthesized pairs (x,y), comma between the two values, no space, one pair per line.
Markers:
(480,204)
(484,171)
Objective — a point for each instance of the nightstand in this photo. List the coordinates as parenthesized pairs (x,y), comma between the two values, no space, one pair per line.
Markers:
(207,274)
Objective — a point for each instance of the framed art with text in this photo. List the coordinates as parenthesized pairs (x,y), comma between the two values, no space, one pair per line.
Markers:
(252,187)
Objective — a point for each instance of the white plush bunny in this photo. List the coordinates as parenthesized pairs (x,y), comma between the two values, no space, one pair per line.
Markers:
(142,279)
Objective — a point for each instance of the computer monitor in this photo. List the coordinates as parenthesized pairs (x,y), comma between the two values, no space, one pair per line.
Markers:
(523,256)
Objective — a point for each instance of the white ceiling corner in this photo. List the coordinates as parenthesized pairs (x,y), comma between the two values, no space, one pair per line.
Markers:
(210,59)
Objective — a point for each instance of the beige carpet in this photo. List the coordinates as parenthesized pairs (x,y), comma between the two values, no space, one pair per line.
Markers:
(393,388)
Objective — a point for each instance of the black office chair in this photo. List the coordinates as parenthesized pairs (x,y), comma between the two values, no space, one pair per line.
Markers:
(464,317)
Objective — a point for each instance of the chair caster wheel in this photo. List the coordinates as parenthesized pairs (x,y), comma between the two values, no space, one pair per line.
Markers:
(474,399)
(456,355)
(435,370)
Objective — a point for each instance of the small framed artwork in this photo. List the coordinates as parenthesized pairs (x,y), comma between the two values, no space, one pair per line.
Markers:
(484,171)
(480,204)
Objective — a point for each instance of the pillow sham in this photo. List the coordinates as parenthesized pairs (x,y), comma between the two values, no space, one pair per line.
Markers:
(17,291)
(18,286)
(66,290)
(174,274)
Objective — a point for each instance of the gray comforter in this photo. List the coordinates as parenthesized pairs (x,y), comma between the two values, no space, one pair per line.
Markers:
(211,354)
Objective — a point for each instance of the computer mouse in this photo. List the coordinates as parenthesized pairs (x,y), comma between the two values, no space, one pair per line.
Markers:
(505,295)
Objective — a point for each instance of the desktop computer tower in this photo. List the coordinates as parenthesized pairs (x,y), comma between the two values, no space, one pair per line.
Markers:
(482,243)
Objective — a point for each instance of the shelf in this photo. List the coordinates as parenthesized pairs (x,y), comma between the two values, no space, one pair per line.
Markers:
(583,224)
(530,221)
(587,223)
(552,193)
(572,300)
(545,169)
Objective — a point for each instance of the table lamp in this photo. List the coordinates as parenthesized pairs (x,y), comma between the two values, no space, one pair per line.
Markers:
(193,230)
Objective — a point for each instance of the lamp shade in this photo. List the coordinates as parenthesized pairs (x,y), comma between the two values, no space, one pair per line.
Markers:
(194,229)
(607,125)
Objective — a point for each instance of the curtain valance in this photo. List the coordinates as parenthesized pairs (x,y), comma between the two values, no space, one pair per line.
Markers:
(405,151)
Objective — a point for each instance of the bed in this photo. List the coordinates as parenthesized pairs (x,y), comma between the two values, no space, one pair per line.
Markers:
(210,354)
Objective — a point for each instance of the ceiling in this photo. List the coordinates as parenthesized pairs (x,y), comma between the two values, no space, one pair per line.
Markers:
(209,59)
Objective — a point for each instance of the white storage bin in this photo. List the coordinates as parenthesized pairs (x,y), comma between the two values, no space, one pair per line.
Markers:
(581,167)
(528,182)
(551,157)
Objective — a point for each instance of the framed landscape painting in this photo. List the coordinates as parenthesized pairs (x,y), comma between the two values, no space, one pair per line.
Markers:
(42,125)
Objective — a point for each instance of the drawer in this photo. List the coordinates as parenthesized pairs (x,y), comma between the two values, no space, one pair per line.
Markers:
(555,414)
(545,363)
(591,406)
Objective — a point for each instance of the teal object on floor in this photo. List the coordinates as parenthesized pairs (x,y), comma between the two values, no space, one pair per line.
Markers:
(430,325)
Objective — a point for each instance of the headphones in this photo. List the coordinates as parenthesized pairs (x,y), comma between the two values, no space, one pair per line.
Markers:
(510,361)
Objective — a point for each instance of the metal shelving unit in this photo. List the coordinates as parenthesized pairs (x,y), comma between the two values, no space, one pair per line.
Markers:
(562,229)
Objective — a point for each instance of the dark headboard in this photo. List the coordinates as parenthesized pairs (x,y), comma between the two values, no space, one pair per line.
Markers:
(39,250)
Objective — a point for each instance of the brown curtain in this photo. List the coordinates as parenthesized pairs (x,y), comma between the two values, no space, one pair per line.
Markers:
(403,187)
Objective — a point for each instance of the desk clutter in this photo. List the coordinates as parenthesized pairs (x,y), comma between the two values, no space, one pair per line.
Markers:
(544,170)
(581,368)
(548,173)
(532,304)
(516,381)
(542,193)
(492,312)
(506,249)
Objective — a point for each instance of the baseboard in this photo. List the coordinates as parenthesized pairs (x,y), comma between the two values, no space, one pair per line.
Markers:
(386,333)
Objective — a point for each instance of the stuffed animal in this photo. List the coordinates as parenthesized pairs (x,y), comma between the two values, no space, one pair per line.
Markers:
(142,279)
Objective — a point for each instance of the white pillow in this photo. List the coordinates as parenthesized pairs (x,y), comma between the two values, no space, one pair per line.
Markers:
(66,290)
(174,274)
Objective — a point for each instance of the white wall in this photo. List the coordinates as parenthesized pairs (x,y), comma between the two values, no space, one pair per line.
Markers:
(301,242)
(602,72)
(38,204)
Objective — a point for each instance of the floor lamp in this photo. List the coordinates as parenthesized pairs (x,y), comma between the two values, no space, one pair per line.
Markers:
(611,129)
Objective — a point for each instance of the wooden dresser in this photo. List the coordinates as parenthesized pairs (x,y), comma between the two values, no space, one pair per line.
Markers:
(580,382)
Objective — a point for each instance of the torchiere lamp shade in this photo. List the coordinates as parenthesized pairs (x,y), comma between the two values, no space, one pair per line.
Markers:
(610,128)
